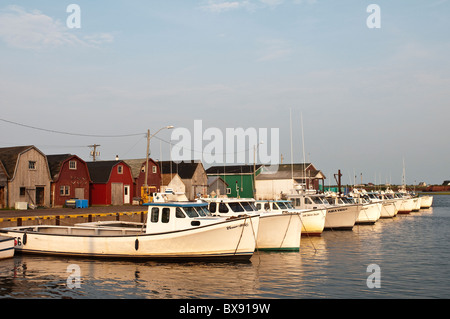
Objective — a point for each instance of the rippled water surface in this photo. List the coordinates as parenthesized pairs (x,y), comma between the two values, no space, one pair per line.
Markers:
(411,251)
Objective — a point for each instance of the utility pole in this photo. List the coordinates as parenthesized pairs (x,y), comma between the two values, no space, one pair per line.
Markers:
(146,159)
(94,152)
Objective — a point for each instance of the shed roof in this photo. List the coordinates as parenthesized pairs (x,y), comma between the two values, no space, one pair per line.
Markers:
(100,171)
(185,170)
(232,169)
(9,155)
(55,162)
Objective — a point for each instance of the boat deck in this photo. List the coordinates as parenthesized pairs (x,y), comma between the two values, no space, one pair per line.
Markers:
(79,231)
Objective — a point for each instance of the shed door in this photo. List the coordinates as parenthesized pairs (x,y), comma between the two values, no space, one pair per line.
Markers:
(79,193)
(116,194)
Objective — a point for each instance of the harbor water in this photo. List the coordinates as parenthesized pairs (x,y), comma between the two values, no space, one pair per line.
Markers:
(404,257)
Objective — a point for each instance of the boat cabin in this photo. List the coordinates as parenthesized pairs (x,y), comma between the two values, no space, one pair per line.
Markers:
(274,205)
(231,206)
(165,217)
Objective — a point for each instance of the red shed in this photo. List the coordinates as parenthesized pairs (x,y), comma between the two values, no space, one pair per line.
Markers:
(112,183)
(138,171)
(70,178)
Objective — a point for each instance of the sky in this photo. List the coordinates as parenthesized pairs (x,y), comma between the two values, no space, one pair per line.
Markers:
(370,102)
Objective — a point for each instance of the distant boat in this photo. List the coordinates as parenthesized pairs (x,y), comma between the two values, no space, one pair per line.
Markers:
(337,217)
(173,231)
(6,247)
(426,201)
(313,220)
(277,230)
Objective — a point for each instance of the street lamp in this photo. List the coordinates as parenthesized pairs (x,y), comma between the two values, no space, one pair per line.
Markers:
(148,150)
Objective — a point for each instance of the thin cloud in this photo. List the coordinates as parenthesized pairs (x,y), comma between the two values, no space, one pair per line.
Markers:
(36,31)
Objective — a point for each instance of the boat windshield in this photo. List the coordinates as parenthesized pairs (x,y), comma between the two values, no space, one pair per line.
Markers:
(317,200)
(289,205)
(236,207)
(203,211)
(248,206)
(282,205)
(191,212)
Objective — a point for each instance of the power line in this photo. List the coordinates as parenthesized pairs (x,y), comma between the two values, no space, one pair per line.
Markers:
(68,133)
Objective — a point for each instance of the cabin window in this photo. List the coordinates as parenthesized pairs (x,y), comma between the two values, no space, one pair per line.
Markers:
(236,207)
(223,208)
(120,169)
(22,191)
(165,215)
(32,165)
(258,206)
(179,213)
(202,211)
(297,202)
(72,164)
(266,206)
(154,215)
(248,207)
(308,201)
(228,190)
(281,205)
(64,190)
(212,207)
(191,212)
(154,169)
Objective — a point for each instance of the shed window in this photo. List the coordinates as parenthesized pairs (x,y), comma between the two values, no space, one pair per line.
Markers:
(228,190)
(72,164)
(154,215)
(64,190)
(22,191)
(120,169)
(32,165)
(154,169)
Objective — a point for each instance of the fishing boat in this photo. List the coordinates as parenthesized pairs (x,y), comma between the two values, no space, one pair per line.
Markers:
(406,204)
(370,207)
(6,247)
(416,203)
(337,217)
(313,220)
(426,201)
(388,208)
(172,231)
(277,230)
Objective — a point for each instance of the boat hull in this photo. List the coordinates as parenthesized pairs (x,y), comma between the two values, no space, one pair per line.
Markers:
(230,240)
(313,222)
(369,214)
(406,206)
(341,217)
(279,231)
(426,201)
(6,247)
(416,204)
(388,209)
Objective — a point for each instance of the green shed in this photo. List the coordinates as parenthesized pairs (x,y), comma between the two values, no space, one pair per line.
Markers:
(240,178)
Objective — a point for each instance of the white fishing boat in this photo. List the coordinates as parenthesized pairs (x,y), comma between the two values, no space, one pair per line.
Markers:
(313,220)
(337,217)
(371,207)
(6,247)
(173,231)
(277,230)
(426,201)
(406,205)
(416,204)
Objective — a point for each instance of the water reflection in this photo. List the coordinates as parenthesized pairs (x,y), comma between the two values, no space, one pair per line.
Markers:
(411,251)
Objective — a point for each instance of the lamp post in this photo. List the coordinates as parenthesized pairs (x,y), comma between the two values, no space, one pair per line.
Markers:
(148,151)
